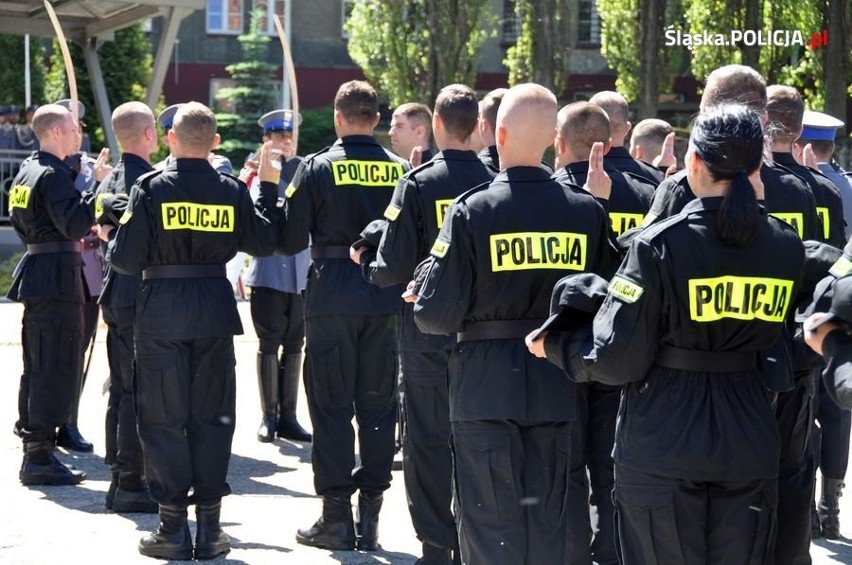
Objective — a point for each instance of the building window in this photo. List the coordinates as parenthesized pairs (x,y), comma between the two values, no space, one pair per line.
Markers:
(225,16)
(148,25)
(346,7)
(279,8)
(588,24)
(510,25)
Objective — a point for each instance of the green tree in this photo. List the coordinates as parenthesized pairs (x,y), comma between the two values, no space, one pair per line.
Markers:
(126,65)
(12,75)
(542,54)
(632,42)
(410,49)
(251,96)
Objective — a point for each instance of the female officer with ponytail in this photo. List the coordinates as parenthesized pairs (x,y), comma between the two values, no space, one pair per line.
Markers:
(695,301)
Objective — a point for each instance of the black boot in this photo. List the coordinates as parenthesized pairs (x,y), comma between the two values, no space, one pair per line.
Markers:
(110,495)
(41,467)
(288,425)
(335,528)
(267,381)
(127,501)
(435,555)
(172,539)
(816,528)
(210,540)
(70,438)
(367,525)
(829,507)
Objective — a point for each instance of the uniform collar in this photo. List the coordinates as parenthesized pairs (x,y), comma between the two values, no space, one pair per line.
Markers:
(133,158)
(457,155)
(191,164)
(785,159)
(53,160)
(618,152)
(523,174)
(703,204)
(357,139)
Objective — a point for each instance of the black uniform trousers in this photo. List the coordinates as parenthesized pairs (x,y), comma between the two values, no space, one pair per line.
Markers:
(598,404)
(52,337)
(516,500)
(279,320)
(728,521)
(427,462)
(794,412)
(185,401)
(123,450)
(831,439)
(351,370)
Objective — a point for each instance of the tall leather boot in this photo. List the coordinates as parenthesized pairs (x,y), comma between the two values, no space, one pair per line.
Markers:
(267,381)
(41,467)
(210,540)
(172,539)
(367,525)
(69,435)
(435,555)
(829,507)
(288,425)
(334,529)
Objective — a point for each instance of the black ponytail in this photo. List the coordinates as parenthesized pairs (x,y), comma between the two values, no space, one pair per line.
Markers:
(729,141)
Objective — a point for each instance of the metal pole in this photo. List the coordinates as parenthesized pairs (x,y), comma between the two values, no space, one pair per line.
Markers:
(285,93)
(27,91)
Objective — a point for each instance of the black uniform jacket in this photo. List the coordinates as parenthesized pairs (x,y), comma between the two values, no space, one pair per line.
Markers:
(121,290)
(786,198)
(680,286)
(190,214)
(629,200)
(501,249)
(829,205)
(837,349)
(45,207)
(414,216)
(619,158)
(334,194)
(491,159)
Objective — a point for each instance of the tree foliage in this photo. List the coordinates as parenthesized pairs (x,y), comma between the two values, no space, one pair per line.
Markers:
(12,74)
(624,45)
(251,96)
(542,54)
(126,65)
(410,49)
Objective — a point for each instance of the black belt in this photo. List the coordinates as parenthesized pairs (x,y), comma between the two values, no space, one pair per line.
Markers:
(183,272)
(329,252)
(706,361)
(54,247)
(498,329)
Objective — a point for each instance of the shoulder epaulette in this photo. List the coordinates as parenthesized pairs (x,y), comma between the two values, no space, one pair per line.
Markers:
(655,229)
(470,192)
(421,167)
(145,177)
(313,156)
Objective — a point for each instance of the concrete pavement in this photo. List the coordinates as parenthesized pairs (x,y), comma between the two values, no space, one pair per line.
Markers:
(272,484)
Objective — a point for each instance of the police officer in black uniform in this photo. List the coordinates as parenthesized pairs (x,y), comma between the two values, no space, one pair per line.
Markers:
(789,199)
(785,109)
(182,224)
(578,127)
(50,216)
(618,157)
(350,325)
(828,333)
(277,309)
(133,124)
(695,301)
(414,216)
(500,251)
(487,125)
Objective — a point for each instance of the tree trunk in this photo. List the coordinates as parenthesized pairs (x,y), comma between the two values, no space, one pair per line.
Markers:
(751,54)
(651,17)
(836,59)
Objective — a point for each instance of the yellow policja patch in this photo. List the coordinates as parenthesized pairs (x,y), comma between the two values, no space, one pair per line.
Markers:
(392,212)
(440,248)
(366,173)
(625,289)
(19,196)
(441,207)
(621,222)
(197,217)
(538,250)
(795,219)
(841,267)
(741,298)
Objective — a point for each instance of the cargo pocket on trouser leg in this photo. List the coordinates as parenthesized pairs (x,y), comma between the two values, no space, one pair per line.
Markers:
(766,525)
(646,525)
(492,525)
(325,381)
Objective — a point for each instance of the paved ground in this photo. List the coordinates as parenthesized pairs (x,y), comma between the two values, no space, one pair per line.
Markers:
(272,484)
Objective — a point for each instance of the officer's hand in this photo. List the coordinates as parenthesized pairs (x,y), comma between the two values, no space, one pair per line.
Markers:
(814,337)
(808,157)
(416,157)
(104,231)
(267,171)
(355,254)
(102,166)
(408,295)
(667,157)
(536,346)
(598,182)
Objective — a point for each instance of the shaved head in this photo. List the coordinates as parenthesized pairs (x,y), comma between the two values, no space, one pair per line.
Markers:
(526,124)
(129,122)
(580,125)
(615,106)
(735,84)
(649,135)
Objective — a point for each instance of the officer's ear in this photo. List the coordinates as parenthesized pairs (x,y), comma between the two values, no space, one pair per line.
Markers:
(376,120)
(217,139)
